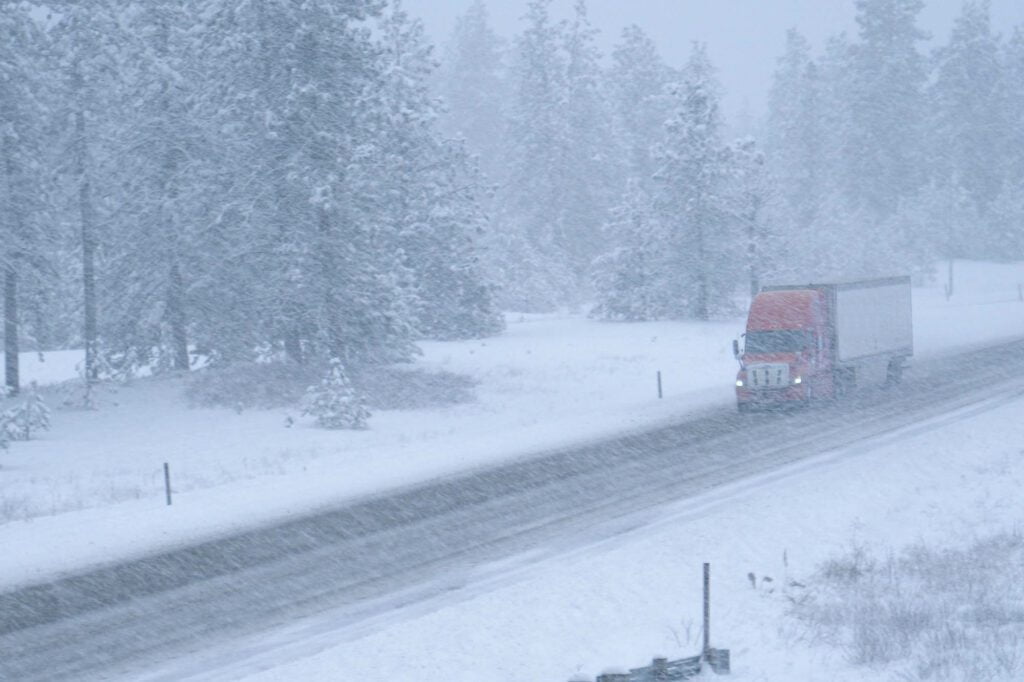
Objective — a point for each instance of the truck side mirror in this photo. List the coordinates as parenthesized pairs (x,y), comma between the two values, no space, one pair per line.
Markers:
(736,348)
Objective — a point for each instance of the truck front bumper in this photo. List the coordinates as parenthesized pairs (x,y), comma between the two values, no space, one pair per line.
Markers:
(767,397)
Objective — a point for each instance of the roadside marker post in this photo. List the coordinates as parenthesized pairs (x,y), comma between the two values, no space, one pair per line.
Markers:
(167,482)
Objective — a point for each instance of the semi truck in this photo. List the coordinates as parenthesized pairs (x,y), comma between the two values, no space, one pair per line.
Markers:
(805,342)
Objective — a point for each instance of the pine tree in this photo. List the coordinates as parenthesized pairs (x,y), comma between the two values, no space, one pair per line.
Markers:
(1013,106)
(89,36)
(886,106)
(587,173)
(637,83)
(432,214)
(472,84)
(310,215)
(526,245)
(25,241)
(967,130)
(632,280)
(34,415)
(163,176)
(795,144)
(691,198)
(334,402)
(750,191)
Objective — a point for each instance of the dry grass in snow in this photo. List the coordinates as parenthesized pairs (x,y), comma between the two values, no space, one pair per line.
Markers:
(926,614)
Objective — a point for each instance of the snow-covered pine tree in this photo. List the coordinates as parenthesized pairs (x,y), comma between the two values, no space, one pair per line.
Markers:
(472,83)
(334,402)
(250,54)
(1013,106)
(162,180)
(86,37)
(691,198)
(795,143)
(637,84)
(886,106)
(33,415)
(527,254)
(10,426)
(432,216)
(750,193)
(968,130)
(24,235)
(588,173)
(356,292)
(632,281)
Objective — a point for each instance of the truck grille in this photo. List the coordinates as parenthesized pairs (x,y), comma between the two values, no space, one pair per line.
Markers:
(768,375)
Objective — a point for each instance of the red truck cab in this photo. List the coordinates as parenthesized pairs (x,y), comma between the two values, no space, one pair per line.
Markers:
(786,357)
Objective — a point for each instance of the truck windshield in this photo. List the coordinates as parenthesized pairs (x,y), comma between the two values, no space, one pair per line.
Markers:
(778,341)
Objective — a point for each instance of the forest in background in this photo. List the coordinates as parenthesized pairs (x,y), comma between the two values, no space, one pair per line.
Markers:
(243,180)
(618,181)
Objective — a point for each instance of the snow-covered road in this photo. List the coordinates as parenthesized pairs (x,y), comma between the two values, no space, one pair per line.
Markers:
(341,573)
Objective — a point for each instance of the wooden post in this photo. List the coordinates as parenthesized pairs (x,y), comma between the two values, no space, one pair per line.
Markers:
(707,608)
(659,384)
(167,482)
(949,280)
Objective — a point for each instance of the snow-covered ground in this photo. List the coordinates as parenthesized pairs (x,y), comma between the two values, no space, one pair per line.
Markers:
(619,602)
(91,490)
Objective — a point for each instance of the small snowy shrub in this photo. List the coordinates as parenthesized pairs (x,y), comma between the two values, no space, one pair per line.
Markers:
(35,415)
(334,401)
(21,421)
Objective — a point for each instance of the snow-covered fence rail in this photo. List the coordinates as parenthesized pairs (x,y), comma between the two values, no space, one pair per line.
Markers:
(664,670)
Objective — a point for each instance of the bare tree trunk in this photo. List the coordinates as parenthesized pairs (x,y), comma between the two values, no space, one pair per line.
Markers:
(752,243)
(88,251)
(335,337)
(11,377)
(703,293)
(176,318)
(293,347)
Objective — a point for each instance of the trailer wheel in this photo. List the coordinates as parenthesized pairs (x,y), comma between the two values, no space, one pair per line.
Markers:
(843,381)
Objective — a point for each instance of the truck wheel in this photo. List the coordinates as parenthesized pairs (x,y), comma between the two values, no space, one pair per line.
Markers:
(843,381)
(894,373)
(743,408)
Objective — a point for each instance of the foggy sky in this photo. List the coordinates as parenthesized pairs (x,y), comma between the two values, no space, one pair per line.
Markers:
(744,37)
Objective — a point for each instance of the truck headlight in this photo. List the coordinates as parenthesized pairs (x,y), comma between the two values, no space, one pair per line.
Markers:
(797,380)
(739,383)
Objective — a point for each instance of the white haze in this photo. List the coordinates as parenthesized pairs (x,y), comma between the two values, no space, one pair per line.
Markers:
(744,37)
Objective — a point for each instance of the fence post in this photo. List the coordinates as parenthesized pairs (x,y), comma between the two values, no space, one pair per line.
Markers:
(707,609)
(167,482)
